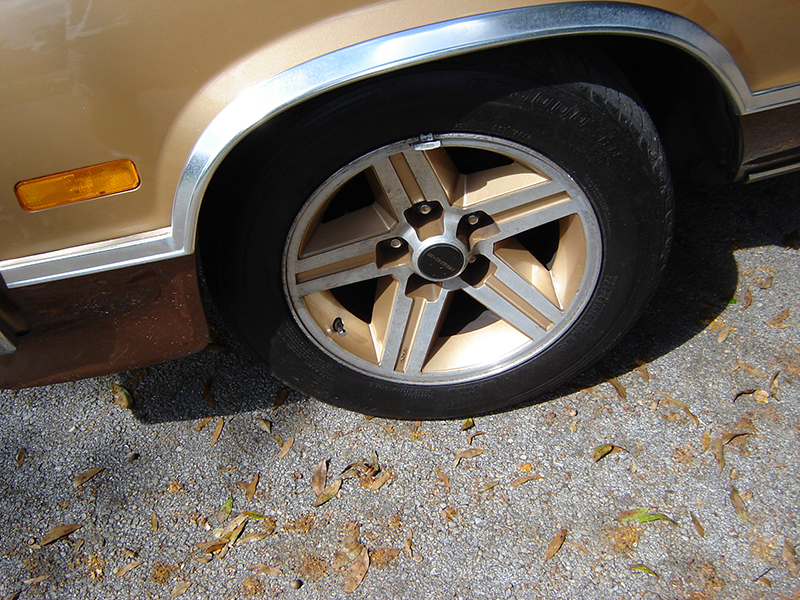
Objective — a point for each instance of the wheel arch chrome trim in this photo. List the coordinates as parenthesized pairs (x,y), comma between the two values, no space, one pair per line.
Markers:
(258,104)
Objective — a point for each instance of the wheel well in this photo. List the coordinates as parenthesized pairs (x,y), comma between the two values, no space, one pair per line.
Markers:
(693,116)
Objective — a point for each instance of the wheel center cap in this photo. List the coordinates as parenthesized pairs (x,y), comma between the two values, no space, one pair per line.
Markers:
(441,262)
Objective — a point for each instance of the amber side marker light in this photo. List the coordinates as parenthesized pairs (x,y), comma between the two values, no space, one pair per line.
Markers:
(74,186)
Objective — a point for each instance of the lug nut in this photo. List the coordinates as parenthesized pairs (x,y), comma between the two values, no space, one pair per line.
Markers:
(396,243)
(473,219)
(424,208)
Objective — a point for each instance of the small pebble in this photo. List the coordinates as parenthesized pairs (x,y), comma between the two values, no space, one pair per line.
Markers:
(296,584)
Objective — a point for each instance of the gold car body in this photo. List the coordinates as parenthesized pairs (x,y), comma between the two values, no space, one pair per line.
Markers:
(173,86)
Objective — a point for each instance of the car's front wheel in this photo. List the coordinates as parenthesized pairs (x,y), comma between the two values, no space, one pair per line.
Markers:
(450,240)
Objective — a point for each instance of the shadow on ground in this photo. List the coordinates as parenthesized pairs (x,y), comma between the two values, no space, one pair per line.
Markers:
(699,282)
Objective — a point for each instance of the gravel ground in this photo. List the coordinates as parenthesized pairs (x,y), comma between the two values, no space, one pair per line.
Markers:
(437,529)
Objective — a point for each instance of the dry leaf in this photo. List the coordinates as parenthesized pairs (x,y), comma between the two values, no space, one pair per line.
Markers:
(705,442)
(351,547)
(748,299)
(644,569)
(777,322)
(470,453)
(86,476)
(122,397)
(265,425)
(36,580)
(555,544)
(473,435)
(449,513)
(642,515)
(604,450)
(729,437)
(381,481)
(374,464)
(632,515)
(249,488)
(224,512)
(739,506)
(180,589)
(266,569)
(718,450)
(723,334)
(56,533)
(234,528)
(217,431)
(408,547)
(154,521)
(328,493)
(573,426)
(740,364)
(443,478)
(281,397)
(358,570)
(743,393)
(773,386)
(254,537)
(207,395)
(467,424)
(651,517)
(488,486)
(682,405)
(790,558)
(285,447)
(203,423)
(619,387)
(21,456)
(320,477)
(642,372)
(213,546)
(698,527)
(129,567)
(525,479)
(381,557)
(761,396)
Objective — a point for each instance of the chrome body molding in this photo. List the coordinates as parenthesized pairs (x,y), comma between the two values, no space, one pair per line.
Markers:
(263,101)
(91,258)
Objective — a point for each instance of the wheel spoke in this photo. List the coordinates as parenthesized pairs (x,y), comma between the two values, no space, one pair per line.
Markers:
(414,328)
(434,173)
(336,268)
(363,224)
(532,296)
(504,302)
(534,214)
(510,201)
(399,190)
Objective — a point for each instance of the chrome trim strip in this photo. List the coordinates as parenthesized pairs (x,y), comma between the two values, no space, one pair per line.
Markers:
(382,55)
(90,258)
(758,176)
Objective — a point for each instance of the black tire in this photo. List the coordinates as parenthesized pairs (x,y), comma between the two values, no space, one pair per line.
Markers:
(565,114)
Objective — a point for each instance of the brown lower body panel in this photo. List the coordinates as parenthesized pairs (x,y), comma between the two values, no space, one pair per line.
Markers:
(105,323)
(770,139)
